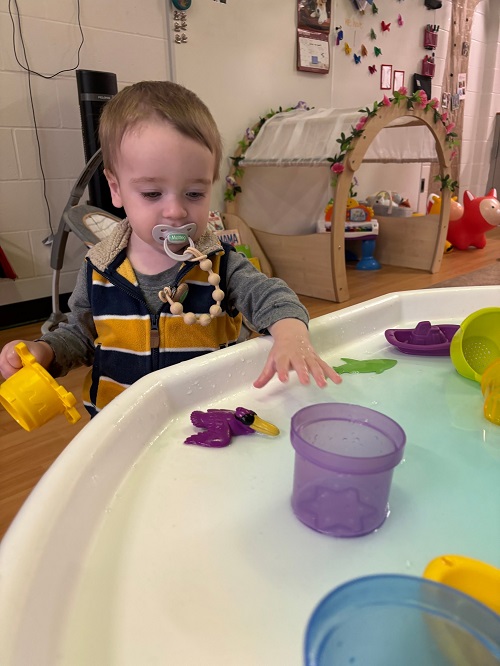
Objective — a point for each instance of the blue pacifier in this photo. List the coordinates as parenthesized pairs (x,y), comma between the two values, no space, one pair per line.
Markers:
(164,233)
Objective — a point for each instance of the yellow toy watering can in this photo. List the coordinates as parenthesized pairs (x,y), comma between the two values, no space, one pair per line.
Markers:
(32,397)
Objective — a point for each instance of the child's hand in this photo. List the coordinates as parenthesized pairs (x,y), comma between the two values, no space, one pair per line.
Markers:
(10,361)
(292,350)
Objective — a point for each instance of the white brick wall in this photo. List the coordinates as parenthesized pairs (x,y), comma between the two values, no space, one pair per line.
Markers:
(125,37)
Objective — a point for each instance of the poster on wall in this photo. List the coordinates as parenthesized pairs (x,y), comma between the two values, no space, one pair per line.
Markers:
(313,30)
(386,77)
(314,14)
(313,52)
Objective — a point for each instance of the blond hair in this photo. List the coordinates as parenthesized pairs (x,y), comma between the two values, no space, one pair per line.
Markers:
(150,100)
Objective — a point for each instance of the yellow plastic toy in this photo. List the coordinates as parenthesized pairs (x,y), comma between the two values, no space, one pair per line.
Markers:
(32,397)
(490,386)
(473,577)
(434,207)
(456,212)
(476,344)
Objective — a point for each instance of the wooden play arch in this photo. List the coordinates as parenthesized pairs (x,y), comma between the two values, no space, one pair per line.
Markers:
(314,264)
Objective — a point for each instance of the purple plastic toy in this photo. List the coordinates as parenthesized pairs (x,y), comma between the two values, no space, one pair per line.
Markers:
(220,425)
(344,459)
(425,339)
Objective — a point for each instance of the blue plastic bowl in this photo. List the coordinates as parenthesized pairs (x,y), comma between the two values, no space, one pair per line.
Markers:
(392,620)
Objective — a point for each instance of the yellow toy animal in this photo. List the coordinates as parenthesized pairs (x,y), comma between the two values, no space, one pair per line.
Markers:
(456,212)
(434,207)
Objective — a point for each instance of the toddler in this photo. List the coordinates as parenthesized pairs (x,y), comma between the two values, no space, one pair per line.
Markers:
(162,288)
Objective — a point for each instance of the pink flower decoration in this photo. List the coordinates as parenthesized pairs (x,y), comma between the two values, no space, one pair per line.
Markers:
(422,97)
(337,167)
(444,116)
(361,123)
(450,127)
(403,90)
(434,103)
(453,154)
(386,101)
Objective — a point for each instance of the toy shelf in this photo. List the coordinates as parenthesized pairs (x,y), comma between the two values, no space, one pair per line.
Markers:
(314,264)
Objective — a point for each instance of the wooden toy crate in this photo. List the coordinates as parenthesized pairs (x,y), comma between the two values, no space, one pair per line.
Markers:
(409,242)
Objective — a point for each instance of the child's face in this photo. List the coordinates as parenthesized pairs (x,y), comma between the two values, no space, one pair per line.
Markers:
(161,177)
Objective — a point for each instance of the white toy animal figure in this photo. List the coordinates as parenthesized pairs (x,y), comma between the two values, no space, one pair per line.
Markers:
(380,199)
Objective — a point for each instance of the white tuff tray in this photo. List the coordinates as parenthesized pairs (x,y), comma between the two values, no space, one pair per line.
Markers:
(136,549)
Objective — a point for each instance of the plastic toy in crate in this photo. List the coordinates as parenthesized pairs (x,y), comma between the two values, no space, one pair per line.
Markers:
(389,204)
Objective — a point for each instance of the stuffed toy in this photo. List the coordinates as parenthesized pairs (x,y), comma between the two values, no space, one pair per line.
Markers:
(481,214)
(389,203)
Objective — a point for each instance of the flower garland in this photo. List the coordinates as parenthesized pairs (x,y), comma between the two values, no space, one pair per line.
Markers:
(237,172)
(417,100)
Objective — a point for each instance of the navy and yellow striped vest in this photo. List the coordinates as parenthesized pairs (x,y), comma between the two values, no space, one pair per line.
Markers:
(131,342)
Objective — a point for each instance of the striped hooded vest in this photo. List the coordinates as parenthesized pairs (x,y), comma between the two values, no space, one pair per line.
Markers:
(131,342)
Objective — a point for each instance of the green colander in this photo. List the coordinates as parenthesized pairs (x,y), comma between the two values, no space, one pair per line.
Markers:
(476,344)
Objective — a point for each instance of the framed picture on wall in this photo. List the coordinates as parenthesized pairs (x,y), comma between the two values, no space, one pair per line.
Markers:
(313,51)
(399,80)
(386,77)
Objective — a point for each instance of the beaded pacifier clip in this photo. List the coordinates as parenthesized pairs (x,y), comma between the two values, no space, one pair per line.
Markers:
(182,236)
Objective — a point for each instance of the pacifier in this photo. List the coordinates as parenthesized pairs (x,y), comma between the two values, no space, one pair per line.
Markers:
(163,233)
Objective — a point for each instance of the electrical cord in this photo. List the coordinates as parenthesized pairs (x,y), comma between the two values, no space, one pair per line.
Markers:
(30,71)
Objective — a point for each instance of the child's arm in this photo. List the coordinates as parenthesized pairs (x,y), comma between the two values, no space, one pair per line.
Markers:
(292,350)
(10,361)
(69,346)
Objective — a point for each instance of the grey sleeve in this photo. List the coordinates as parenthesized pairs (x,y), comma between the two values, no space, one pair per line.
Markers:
(261,300)
(73,342)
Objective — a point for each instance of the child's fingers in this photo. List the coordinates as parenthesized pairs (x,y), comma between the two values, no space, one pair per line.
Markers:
(320,372)
(10,361)
(304,367)
(14,359)
(266,375)
(331,374)
(302,370)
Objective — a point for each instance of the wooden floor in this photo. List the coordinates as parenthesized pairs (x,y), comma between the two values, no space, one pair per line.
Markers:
(25,456)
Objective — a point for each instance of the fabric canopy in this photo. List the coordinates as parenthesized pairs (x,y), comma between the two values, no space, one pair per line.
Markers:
(302,137)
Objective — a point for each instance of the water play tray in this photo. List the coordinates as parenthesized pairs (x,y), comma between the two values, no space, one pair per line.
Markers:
(137,549)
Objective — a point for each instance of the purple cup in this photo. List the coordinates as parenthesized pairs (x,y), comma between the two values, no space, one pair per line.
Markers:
(344,459)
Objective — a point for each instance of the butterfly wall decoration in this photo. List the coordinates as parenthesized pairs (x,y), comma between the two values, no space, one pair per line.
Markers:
(385,26)
(357,58)
(372,69)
